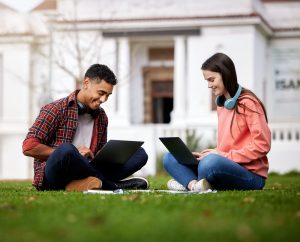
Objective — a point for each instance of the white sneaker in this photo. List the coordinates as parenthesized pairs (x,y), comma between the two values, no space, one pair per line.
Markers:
(175,185)
(201,186)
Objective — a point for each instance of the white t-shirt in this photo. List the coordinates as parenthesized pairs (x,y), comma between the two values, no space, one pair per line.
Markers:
(84,131)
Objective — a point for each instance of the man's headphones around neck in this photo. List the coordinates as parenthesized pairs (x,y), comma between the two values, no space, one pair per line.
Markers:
(82,109)
(229,103)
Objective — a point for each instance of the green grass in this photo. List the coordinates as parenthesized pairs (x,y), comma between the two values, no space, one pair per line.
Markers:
(269,215)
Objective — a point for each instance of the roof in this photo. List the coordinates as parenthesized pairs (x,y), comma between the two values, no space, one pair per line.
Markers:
(46,5)
(5,7)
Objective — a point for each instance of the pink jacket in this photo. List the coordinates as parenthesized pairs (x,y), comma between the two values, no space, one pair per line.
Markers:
(248,140)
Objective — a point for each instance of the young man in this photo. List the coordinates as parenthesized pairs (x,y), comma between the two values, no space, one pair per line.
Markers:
(68,133)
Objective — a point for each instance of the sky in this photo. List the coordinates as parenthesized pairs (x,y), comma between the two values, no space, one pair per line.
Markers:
(21,5)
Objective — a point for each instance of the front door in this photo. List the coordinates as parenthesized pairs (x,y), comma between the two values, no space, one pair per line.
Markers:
(158,99)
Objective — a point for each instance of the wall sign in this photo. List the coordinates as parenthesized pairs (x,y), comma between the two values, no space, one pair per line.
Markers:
(287,82)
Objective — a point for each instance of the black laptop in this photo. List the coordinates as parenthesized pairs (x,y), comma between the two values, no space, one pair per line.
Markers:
(179,150)
(116,151)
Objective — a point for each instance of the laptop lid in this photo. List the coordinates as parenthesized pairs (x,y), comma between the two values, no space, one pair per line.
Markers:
(116,151)
(179,150)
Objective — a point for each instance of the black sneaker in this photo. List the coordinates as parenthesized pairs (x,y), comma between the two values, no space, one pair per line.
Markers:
(133,183)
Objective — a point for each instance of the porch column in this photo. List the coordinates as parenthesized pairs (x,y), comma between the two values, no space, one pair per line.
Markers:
(180,80)
(122,116)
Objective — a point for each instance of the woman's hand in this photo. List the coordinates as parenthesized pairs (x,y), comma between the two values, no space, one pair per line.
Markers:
(86,152)
(203,153)
(197,155)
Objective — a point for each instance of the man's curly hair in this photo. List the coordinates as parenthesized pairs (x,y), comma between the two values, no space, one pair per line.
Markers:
(99,72)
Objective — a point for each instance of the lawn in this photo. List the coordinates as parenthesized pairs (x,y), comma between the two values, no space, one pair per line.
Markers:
(269,215)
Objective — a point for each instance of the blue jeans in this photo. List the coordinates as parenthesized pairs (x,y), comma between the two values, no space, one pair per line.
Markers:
(220,172)
(66,164)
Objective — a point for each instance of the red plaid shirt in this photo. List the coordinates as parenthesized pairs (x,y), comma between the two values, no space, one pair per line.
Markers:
(56,124)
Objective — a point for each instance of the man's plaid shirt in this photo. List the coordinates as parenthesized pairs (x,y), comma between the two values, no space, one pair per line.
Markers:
(56,124)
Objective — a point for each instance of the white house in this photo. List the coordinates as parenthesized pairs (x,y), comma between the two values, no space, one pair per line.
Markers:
(156,48)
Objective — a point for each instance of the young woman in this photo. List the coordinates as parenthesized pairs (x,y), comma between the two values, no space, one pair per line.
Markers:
(240,160)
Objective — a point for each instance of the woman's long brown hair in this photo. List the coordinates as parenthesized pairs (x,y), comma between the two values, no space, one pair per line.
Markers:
(222,64)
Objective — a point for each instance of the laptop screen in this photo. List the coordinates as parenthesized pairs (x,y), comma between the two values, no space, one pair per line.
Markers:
(179,150)
(116,151)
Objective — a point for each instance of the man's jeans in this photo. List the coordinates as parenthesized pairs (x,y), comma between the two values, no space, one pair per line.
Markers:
(220,172)
(66,164)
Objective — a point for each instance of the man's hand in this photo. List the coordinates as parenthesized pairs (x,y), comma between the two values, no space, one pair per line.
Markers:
(86,152)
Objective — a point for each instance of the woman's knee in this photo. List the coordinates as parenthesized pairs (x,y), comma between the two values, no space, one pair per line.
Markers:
(168,160)
(209,162)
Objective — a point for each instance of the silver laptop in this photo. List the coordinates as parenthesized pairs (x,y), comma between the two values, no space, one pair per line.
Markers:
(116,151)
(179,150)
